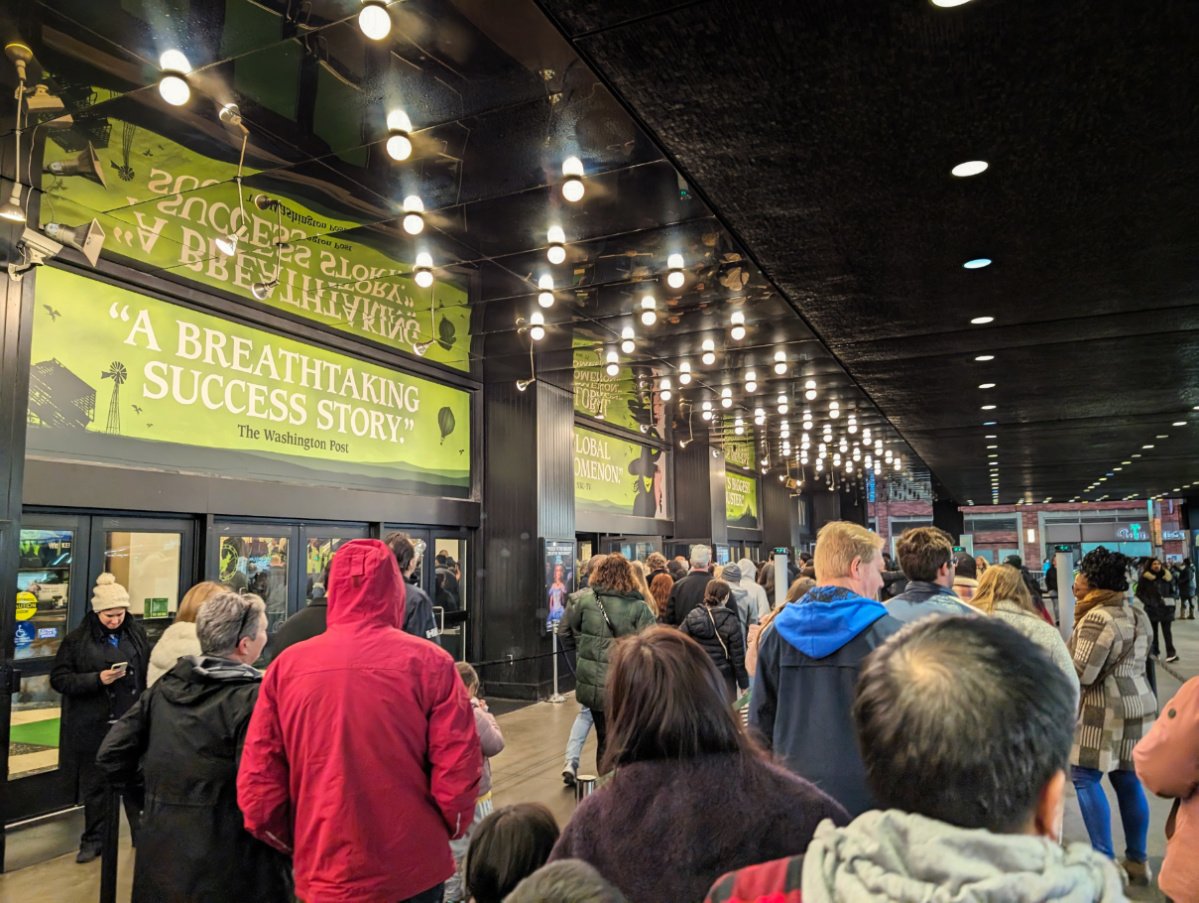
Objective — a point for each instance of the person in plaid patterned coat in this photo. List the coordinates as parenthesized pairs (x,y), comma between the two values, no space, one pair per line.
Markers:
(1109,646)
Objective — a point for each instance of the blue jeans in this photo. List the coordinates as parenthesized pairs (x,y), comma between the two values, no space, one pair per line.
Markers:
(578,736)
(1097,815)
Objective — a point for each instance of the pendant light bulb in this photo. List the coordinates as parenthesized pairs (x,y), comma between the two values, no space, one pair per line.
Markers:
(572,188)
(556,239)
(414,220)
(174,87)
(537,326)
(545,295)
(627,340)
(675,278)
(684,374)
(374,20)
(738,322)
(399,140)
(649,316)
(709,355)
(726,397)
(423,271)
(780,363)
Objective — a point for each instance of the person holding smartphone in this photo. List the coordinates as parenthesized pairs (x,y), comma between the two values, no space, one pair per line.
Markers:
(100,670)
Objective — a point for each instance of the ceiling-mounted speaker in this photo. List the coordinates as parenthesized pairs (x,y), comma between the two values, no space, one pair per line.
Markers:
(89,238)
(86,164)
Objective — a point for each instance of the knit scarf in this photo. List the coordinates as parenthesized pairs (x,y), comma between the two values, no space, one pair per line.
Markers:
(1094,599)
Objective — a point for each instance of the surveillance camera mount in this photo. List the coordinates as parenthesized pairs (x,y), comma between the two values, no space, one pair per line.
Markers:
(35,249)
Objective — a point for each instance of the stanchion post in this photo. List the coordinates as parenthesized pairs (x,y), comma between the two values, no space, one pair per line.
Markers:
(108,854)
(557,697)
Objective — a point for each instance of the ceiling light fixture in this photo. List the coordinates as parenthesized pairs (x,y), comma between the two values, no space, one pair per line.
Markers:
(613,367)
(556,252)
(664,385)
(982,321)
(987,386)
(414,215)
(726,397)
(537,326)
(709,355)
(572,188)
(738,323)
(649,316)
(173,86)
(675,278)
(399,137)
(985,357)
(780,363)
(545,296)
(374,20)
(970,167)
(1180,423)
(978,263)
(684,374)
(626,340)
(227,244)
(423,271)
(783,406)
(751,381)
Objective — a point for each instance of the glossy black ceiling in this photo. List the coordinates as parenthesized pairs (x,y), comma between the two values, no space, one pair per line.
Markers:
(824,133)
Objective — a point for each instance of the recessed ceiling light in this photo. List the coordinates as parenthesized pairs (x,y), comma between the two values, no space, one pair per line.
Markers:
(992,446)
(1180,423)
(985,357)
(1117,468)
(987,386)
(1137,455)
(979,321)
(989,423)
(1162,436)
(1125,462)
(988,407)
(990,436)
(992,456)
(1146,446)
(970,167)
(978,263)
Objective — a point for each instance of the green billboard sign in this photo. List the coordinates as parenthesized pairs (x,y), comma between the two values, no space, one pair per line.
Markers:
(623,400)
(130,380)
(165,205)
(618,477)
(741,501)
(740,451)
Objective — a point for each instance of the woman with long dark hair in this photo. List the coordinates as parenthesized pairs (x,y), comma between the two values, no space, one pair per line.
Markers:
(686,775)
(1157,592)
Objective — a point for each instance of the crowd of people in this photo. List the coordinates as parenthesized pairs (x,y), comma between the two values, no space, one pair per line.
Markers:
(887,731)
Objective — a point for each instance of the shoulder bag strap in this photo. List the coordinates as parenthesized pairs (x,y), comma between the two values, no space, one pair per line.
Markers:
(716,631)
(604,612)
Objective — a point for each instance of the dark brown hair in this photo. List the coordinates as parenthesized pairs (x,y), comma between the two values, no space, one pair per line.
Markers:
(716,593)
(615,575)
(666,700)
(508,846)
(922,551)
(401,546)
(660,590)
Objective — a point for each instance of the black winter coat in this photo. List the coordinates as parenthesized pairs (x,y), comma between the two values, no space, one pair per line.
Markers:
(686,594)
(718,630)
(310,621)
(88,706)
(418,614)
(1153,590)
(190,727)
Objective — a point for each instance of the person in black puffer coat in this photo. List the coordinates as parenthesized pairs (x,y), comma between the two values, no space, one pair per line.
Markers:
(95,695)
(718,630)
(188,730)
(1155,586)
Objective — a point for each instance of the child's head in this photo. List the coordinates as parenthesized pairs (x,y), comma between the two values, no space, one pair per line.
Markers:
(469,677)
(566,881)
(508,846)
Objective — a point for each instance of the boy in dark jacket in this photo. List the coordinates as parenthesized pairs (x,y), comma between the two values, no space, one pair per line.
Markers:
(190,727)
(718,629)
(808,663)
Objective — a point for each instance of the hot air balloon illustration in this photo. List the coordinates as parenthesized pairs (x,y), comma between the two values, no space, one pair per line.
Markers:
(445,420)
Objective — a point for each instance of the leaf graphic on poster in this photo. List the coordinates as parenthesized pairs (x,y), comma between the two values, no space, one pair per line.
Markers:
(446,333)
(445,420)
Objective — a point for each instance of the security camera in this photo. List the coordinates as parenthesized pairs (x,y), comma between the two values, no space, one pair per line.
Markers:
(36,249)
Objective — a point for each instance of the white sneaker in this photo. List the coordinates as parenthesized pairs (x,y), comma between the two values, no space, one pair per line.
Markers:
(570,773)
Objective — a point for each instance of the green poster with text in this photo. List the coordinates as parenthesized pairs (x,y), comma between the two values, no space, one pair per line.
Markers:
(739,451)
(620,477)
(740,501)
(165,205)
(125,379)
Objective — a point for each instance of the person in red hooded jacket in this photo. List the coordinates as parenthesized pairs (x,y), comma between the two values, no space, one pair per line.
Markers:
(361,760)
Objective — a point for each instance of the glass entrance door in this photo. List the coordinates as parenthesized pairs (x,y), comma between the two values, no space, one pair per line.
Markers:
(258,558)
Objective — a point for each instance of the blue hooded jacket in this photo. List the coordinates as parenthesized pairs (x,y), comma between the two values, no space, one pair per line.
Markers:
(808,664)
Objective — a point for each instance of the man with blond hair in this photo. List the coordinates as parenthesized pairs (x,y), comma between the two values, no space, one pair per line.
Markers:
(808,662)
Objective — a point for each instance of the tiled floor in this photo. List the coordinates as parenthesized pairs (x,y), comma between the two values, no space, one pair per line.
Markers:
(528,770)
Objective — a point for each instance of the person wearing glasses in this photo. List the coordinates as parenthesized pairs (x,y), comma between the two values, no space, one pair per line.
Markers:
(188,730)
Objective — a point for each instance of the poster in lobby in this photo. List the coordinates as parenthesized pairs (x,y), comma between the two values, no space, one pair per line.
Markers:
(124,379)
(622,400)
(740,451)
(559,579)
(618,477)
(741,501)
(165,205)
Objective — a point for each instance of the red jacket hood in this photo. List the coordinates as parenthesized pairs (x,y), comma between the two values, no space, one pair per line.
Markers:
(365,587)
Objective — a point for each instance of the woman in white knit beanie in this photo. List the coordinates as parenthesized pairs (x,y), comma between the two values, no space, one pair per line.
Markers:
(100,670)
